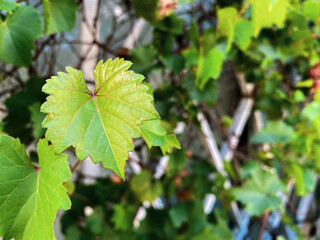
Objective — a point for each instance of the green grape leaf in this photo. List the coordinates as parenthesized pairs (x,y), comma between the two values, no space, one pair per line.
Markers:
(266,13)
(170,24)
(171,142)
(70,187)
(95,222)
(173,62)
(30,196)
(209,66)
(20,106)
(193,35)
(191,57)
(17,33)
(100,124)
(59,15)
(178,214)
(259,193)
(8,5)
(143,58)
(153,133)
(304,180)
(226,23)
(123,216)
(311,9)
(243,33)
(144,189)
(177,162)
(274,132)
(148,9)
(37,118)
(209,94)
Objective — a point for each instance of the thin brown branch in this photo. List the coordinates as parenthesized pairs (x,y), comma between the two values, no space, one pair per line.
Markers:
(264,224)
(75,166)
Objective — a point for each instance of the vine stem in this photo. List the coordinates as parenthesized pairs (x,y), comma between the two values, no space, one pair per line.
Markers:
(75,166)
(264,224)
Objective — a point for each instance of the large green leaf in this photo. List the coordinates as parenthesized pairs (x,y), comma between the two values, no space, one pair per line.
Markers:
(8,5)
(266,13)
(30,195)
(274,132)
(59,15)
(100,124)
(209,66)
(17,33)
(259,193)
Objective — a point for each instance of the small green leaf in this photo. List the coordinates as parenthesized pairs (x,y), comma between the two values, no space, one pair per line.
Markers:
(100,124)
(153,133)
(143,59)
(148,9)
(191,57)
(304,180)
(171,142)
(226,24)
(37,118)
(17,34)
(209,66)
(209,94)
(243,33)
(178,214)
(70,187)
(311,111)
(30,196)
(173,62)
(170,24)
(274,132)
(177,162)
(266,13)
(193,35)
(123,216)
(18,122)
(144,189)
(311,9)
(59,15)
(259,193)
(95,222)
(8,5)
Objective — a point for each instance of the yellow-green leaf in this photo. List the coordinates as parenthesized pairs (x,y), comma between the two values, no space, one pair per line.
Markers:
(100,123)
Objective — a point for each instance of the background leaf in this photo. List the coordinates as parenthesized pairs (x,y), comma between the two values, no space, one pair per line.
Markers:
(259,193)
(17,34)
(8,5)
(59,15)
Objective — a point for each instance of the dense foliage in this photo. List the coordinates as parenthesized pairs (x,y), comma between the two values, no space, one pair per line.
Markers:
(269,47)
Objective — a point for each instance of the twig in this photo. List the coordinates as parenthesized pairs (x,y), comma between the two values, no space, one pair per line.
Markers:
(75,166)
(264,224)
